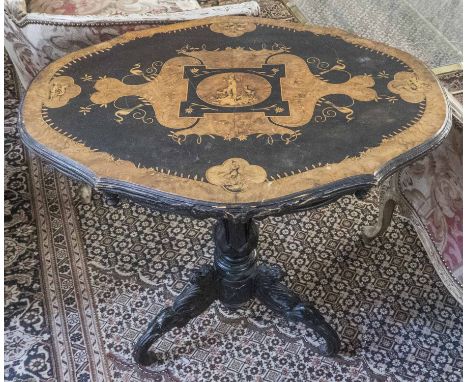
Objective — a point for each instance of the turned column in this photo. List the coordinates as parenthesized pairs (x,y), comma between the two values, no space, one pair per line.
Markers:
(235,260)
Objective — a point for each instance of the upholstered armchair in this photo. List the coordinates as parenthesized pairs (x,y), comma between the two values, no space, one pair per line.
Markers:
(40,31)
(429,194)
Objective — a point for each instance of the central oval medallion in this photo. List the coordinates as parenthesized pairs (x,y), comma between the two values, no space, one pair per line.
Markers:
(234,89)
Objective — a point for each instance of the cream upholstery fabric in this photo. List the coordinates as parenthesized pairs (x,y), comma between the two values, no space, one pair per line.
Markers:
(33,39)
(111,7)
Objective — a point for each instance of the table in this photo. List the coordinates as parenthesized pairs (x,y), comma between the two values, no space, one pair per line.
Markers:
(238,119)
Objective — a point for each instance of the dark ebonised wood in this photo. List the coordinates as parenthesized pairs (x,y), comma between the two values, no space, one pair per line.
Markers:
(234,279)
(228,119)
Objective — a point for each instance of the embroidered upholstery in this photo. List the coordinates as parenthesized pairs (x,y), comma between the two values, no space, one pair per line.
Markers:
(111,7)
(33,39)
(433,188)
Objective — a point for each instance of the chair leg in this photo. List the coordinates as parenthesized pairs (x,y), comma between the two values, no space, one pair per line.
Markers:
(455,106)
(386,208)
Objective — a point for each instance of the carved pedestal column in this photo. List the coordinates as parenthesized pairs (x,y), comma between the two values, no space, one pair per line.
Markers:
(235,261)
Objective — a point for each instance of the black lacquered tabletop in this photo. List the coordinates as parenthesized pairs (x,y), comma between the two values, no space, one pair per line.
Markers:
(233,111)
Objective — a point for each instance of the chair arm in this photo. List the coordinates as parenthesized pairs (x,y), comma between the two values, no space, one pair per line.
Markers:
(16,9)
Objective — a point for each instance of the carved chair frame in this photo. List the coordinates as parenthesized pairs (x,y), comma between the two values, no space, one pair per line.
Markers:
(391,195)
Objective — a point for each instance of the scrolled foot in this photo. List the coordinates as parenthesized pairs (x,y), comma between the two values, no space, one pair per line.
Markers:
(160,325)
(276,296)
(193,301)
(312,318)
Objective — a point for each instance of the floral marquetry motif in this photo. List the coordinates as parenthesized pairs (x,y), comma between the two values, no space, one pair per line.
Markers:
(236,174)
(233,29)
(409,86)
(234,110)
(59,91)
(282,94)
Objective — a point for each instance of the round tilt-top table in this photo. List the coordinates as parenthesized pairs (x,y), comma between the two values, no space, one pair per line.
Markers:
(234,118)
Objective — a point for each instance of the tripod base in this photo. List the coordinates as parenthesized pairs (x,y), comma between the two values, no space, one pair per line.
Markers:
(234,279)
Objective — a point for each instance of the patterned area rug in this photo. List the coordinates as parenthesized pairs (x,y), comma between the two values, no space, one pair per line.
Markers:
(411,25)
(82,282)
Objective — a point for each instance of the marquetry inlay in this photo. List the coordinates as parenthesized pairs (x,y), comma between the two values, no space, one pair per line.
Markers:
(234,110)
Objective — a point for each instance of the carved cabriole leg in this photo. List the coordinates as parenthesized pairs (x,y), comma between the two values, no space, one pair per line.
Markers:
(241,279)
(193,301)
(387,205)
(276,296)
(86,192)
(230,280)
(234,279)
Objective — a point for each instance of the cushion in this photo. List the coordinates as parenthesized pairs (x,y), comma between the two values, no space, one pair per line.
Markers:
(111,7)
